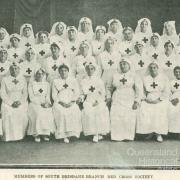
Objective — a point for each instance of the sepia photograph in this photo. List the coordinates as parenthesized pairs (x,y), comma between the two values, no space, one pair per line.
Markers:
(90,84)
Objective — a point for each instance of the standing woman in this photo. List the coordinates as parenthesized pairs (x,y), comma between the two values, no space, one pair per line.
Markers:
(95,115)
(42,46)
(15,52)
(115,30)
(58,33)
(41,120)
(29,65)
(27,36)
(174,105)
(85,29)
(143,31)
(169,33)
(4,38)
(125,92)
(98,42)
(65,92)
(153,111)
(14,105)
(108,60)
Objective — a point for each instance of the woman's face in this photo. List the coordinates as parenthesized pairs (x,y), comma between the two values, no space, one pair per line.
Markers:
(55,51)
(128,35)
(177,73)
(169,29)
(30,54)
(84,49)
(27,32)
(90,69)
(168,48)
(154,41)
(59,29)
(43,38)
(14,42)
(144,26)
(72,35)
(114,27)
(100,34)
(63,73)
(85,26)
(124,66)
(139,48)
(3,55)
(2,34)
(109,44)
(14,70)
(153,69)
(39,75)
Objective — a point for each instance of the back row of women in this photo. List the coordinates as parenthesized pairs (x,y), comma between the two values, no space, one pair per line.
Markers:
(72,81)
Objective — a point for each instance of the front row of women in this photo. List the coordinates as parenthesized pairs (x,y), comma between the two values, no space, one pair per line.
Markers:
(148,105)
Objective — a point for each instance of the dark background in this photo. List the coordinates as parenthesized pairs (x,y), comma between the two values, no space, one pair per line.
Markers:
(43,13)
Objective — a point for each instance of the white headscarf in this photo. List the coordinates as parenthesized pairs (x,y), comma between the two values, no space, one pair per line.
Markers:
(87,44)
(149,28)
(6,38)
(120,29)
(35,56)
(100,27)
(172,23)
(88,20)
(131,70)
(27,26)
(71,28)
(159,37)
(53,29)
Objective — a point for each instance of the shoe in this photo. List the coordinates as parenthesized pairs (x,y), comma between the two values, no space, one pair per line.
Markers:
(100,137)
(95,138)
(46,138)
(159,138)
(37,139)
(150,136)
(66,140)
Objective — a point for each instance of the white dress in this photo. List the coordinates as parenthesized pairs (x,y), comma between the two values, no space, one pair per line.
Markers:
(95,119)
(144,38)
(85,37)
(128,88)
(174,111)
(67,120)
(97,47)
(173,38)
(28,69)
(26,43)
(126,48)
(16,54)
(43,51)
(155,53)
(109,63)
(14,120)
(153,117)
(41,120)
(4,69)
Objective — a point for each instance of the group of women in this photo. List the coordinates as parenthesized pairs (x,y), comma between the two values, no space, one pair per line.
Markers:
(72,80)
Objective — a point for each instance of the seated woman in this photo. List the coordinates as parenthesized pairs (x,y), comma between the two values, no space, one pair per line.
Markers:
(124,94)
(27,36)
(153,111)
(14,105)
(4,38)
(143,31)
(41,120)
(95,115)
(65,92)
(30,65)
(42,46)
(174,106)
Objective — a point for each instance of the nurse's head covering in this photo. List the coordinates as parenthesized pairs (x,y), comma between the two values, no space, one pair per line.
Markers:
(88,20)
(6,38)
(160,70)
(85,43)
(39,34)
(71,28)
(172,24)
(42,70)
(99,27)
(35,53)
(3,49)
(120,28)
(159,37)
(26,26)
(60,47)
(63,65)
(131,67)
(53,29)
(149,28)
(15,35)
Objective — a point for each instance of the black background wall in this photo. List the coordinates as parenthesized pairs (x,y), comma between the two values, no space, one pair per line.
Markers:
(15,12)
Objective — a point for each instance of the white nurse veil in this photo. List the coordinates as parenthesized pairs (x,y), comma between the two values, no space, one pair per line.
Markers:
(6,38)
(26,25)
(138,27)
(88,20)
(120,28)
(172,24)
(53,29)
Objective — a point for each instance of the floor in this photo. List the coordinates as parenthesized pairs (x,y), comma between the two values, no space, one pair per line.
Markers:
(84,153)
